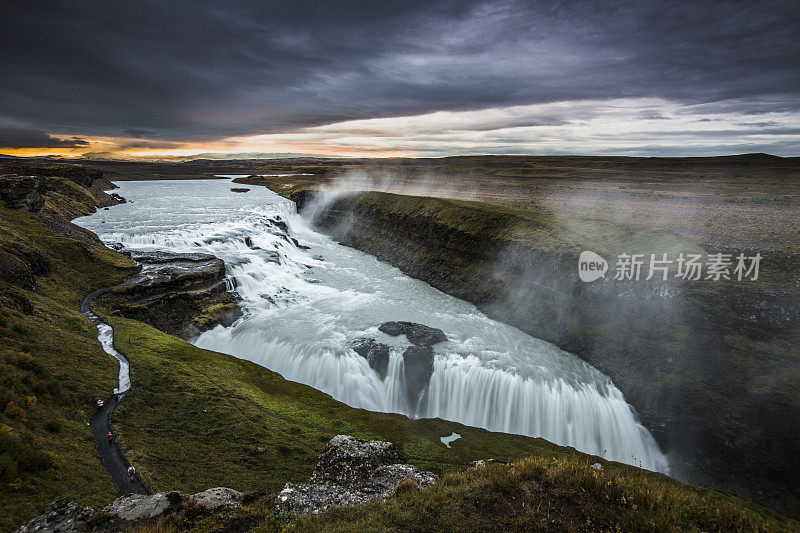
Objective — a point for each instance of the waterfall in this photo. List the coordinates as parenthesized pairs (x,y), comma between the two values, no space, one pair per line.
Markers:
(306,299)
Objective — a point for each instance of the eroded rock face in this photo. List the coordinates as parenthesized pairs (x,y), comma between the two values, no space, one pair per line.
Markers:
(23,193)
(351,472)
(60,516)
(181,294)
(376,354)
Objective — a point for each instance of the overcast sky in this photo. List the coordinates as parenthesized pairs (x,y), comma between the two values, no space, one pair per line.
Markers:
(400,78)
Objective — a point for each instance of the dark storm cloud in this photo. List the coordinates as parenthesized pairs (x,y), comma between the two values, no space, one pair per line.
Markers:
(29,138)
(207,70)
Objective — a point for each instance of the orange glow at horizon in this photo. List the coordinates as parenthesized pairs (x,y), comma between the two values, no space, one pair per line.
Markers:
(113,147)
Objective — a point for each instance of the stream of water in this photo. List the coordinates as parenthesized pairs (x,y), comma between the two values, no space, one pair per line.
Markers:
(306,299)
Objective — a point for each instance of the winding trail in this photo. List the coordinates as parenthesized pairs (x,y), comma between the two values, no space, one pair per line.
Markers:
(111,454)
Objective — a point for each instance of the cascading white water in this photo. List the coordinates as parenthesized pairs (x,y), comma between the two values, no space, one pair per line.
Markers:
(304,307)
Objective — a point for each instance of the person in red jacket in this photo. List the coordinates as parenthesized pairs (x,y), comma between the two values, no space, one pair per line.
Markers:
(110,437)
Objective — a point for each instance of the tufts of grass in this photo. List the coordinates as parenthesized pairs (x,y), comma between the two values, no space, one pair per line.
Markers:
(551,493)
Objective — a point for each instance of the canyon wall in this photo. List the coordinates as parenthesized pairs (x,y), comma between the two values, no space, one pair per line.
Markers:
(705,365)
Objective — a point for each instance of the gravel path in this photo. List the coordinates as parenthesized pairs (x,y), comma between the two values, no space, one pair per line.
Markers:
(111,454)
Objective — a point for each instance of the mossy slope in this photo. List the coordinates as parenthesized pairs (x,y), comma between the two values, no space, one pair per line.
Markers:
(52,368)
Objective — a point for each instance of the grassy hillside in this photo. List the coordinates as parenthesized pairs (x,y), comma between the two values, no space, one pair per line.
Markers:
(52,368)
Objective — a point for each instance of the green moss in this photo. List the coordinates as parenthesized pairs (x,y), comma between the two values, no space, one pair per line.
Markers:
(538,228)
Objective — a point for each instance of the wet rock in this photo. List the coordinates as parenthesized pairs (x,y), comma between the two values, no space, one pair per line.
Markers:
(279,224)
(417,359)
(349,462)
(272,256)
(60,516)
(418,334)
(218,497)
(298,245)
(376,354)
(417,368)
(157,257)
(351,472)
(240,189)
(135,507)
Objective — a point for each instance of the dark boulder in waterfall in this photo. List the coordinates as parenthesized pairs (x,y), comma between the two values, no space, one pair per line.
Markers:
(376,354)
(415,333)
(417,359)
(298,245)
(418,368)
(279,224)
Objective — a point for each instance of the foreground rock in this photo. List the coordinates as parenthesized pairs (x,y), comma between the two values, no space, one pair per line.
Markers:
(127,512)
(349,462)
(60,516)
(218,497)
(352,472)
(181,294)
(135,507)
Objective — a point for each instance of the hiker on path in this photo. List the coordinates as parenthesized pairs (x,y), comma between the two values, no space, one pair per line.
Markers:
(110,437)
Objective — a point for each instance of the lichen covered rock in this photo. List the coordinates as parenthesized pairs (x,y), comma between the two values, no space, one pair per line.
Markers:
(217,497)
(351,472)
(60,516)
(135,507)
(349,462)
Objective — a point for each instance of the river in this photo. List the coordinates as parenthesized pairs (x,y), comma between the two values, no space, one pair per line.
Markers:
(307,298)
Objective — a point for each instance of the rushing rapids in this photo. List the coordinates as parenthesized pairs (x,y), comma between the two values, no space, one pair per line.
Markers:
(306,299)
